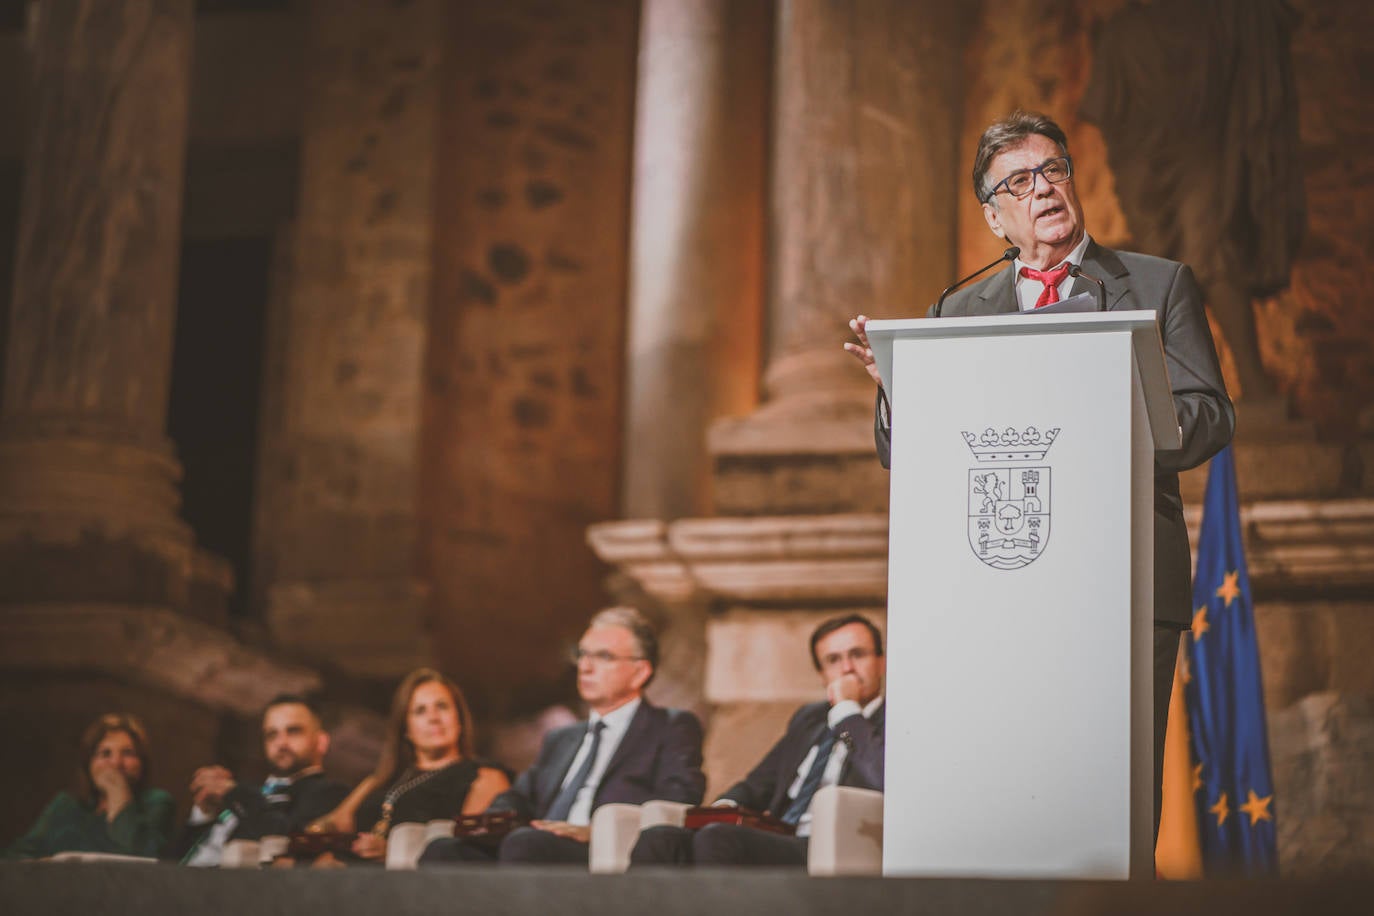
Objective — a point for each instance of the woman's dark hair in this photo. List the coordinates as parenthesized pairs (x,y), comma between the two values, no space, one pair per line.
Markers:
(398,754)
(95,733)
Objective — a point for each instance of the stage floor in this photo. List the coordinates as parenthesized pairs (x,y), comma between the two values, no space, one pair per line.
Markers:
(109,889)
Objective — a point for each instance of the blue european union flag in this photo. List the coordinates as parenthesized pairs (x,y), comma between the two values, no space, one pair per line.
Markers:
(1232,781)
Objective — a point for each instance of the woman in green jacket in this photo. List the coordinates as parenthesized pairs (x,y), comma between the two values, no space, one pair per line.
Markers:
(112,810)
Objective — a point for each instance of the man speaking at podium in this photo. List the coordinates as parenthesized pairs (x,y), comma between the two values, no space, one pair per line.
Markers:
(1024,177)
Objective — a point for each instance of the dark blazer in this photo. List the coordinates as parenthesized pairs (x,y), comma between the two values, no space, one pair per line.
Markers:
(765,788)
(1139,281)
(289,810)
(658,758)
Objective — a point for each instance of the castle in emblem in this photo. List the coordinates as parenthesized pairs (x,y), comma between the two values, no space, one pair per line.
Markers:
(1009,497)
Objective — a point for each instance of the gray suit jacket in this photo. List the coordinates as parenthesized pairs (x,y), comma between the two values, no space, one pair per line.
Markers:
(1139,281)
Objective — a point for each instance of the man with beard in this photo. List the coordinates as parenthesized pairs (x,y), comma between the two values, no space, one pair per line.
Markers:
(295,793)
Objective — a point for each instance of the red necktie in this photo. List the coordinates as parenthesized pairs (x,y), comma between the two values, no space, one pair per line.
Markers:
(1051,278)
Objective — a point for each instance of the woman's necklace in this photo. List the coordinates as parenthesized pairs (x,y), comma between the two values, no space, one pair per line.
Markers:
(402,786)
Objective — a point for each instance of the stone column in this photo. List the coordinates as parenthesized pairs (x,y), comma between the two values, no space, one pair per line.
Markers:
(336,548)
(89,493)
(696,248)
(864,178)
(82,429)
(862,220)
(98,575)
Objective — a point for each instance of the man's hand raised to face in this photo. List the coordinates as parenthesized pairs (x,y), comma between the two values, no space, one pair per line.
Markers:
(209,785)
(844,687)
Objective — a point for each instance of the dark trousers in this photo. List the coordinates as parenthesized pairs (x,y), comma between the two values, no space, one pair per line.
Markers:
(717,844)
(523,845)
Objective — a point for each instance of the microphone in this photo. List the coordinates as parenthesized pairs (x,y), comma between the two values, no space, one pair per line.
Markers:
(1011,254)
(1075,271)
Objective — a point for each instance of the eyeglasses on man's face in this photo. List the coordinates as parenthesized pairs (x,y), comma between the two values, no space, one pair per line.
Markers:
(599,656)
(1020,183)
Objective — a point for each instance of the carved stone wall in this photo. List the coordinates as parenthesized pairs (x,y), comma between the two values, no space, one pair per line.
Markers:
(523,379)
(335,550)
(1315,339)
(1318,338)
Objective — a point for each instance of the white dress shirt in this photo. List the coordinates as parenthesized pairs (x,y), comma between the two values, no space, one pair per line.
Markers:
(617,723)
(838,755)
(1028,290)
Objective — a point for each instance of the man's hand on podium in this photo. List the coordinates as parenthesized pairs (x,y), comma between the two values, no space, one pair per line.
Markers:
(861,350)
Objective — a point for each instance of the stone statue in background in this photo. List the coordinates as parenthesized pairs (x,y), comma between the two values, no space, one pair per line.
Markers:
(1197,103)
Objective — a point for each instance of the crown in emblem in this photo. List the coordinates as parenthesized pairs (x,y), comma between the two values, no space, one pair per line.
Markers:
(1029,444)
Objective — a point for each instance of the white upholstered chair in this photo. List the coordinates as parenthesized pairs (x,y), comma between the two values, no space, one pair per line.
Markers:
(846,832)
(406,842)
(616,827)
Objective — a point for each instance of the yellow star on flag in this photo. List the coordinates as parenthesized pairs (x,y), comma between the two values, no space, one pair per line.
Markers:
(1220,809)
(1257,808)
(1200,624)
(1197,777)
(1230,589)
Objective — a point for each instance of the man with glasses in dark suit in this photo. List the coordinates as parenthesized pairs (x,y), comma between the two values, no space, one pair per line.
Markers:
(837,741)
(1024,178)
(628,751)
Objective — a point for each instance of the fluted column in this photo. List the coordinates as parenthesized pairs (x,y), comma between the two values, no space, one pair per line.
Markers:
(864,178)
(696,248)
(82,427)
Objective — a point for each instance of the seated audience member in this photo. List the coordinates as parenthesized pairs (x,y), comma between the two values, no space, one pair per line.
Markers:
(427,769)
(837,741)
(295,793)
(628,751)
(113,810)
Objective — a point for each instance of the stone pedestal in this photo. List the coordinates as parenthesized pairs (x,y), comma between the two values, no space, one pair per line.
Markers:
(1323,753)
(336,545)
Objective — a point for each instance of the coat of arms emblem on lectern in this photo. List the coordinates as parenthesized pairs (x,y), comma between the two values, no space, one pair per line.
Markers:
(1009,495)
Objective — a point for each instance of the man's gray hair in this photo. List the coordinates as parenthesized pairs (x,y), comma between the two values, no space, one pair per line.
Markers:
(1006,133)
(646,639)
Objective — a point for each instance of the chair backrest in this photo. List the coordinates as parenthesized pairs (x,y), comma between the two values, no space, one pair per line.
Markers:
(846,832)
(658,813)
(269,847)
(100,857)
(404,843)
(439,828)
(240,854)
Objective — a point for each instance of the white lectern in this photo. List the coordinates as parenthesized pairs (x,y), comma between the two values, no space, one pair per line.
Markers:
(1020,593)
